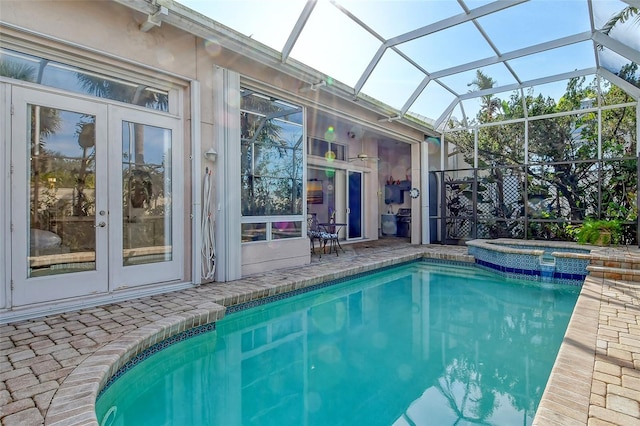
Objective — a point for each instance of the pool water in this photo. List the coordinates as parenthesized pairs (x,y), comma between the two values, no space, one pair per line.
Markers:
(417,344)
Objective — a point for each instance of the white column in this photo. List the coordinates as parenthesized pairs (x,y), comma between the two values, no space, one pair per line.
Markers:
(226,111)
(476,132)
(5,167)
(196,184)
(424,192)
(416,204)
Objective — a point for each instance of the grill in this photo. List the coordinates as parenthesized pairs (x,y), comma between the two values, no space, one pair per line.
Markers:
(403,219)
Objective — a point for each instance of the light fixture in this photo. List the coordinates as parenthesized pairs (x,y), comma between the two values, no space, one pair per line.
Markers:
(211,155)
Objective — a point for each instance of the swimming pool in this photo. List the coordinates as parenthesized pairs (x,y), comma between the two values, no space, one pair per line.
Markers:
(419,343)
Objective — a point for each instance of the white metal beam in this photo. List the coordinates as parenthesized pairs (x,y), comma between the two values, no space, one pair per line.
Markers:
(620,48)
(297,29)
(536,82)
(445,114)
(415,94)
(632,90)
(454,20)
(372,64)
(529,50)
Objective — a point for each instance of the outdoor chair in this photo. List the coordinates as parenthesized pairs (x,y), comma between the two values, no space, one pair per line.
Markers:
(329,234)
(314,232)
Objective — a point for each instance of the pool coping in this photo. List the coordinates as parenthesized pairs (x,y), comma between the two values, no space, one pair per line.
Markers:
(568,389)
(506,245)
(74,401)
(566,399)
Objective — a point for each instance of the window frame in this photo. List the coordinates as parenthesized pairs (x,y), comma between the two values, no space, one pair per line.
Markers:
(343,149)
(270,220)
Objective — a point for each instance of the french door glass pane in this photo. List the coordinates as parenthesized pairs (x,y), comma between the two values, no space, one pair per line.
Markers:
(62,188)
(147,191)
(355,204)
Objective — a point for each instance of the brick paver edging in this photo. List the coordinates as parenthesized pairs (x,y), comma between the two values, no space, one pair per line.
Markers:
(74,402)
(568,389)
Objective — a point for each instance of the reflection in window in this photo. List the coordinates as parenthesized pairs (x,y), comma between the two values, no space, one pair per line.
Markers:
(254,232)
(62,191)
(21,66)
(147,192)
(329,150)
(286,230)
(272,164)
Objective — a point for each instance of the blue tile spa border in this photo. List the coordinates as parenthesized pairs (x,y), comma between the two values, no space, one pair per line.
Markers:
(533,275)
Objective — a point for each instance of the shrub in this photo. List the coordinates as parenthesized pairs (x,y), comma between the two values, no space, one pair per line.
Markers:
(599,232)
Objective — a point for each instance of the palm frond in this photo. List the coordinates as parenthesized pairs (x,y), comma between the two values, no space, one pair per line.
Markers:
(621,17)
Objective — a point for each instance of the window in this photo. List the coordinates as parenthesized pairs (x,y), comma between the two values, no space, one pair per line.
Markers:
(22,66)
(272,165)
(329,150)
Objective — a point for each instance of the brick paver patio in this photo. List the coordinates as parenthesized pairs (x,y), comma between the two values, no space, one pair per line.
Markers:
(52,368)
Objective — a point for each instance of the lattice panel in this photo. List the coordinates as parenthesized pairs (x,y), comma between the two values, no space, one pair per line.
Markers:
(459,229)
(500,229)
(500,194)
(538,201)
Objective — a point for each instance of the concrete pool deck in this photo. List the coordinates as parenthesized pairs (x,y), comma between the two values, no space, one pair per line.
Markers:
(52,368)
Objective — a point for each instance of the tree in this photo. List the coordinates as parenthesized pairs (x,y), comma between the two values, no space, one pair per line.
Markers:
(562,152)
(490,104)
(621,17)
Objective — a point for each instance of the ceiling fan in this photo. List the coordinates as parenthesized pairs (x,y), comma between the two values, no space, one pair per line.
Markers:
(362,156)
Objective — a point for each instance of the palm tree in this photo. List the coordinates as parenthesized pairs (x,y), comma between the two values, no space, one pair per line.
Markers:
(17,70)
(490,104)
(621,17)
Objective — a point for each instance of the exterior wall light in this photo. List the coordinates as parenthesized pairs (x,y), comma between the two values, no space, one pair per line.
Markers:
(211,155)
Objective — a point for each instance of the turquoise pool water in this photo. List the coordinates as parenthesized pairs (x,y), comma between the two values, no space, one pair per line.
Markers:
(418,344)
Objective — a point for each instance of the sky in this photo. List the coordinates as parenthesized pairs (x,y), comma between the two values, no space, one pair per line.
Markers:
(334,44)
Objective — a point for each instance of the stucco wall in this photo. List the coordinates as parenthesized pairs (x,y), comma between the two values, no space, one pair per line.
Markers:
(270,255)
(106,32)
(107,27)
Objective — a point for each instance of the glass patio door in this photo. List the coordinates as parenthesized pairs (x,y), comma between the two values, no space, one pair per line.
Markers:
(147,242)
(354,202)
(59,197)
(96,196)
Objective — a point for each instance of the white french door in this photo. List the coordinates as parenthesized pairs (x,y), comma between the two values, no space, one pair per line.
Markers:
(95,197)
(147,207)
(59,197)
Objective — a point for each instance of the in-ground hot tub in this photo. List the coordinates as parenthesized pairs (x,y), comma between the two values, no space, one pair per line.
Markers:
(557,261)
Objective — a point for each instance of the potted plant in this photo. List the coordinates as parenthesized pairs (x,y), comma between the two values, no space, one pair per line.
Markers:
(599,232)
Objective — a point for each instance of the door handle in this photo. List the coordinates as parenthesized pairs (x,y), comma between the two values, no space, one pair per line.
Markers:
(100,225)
